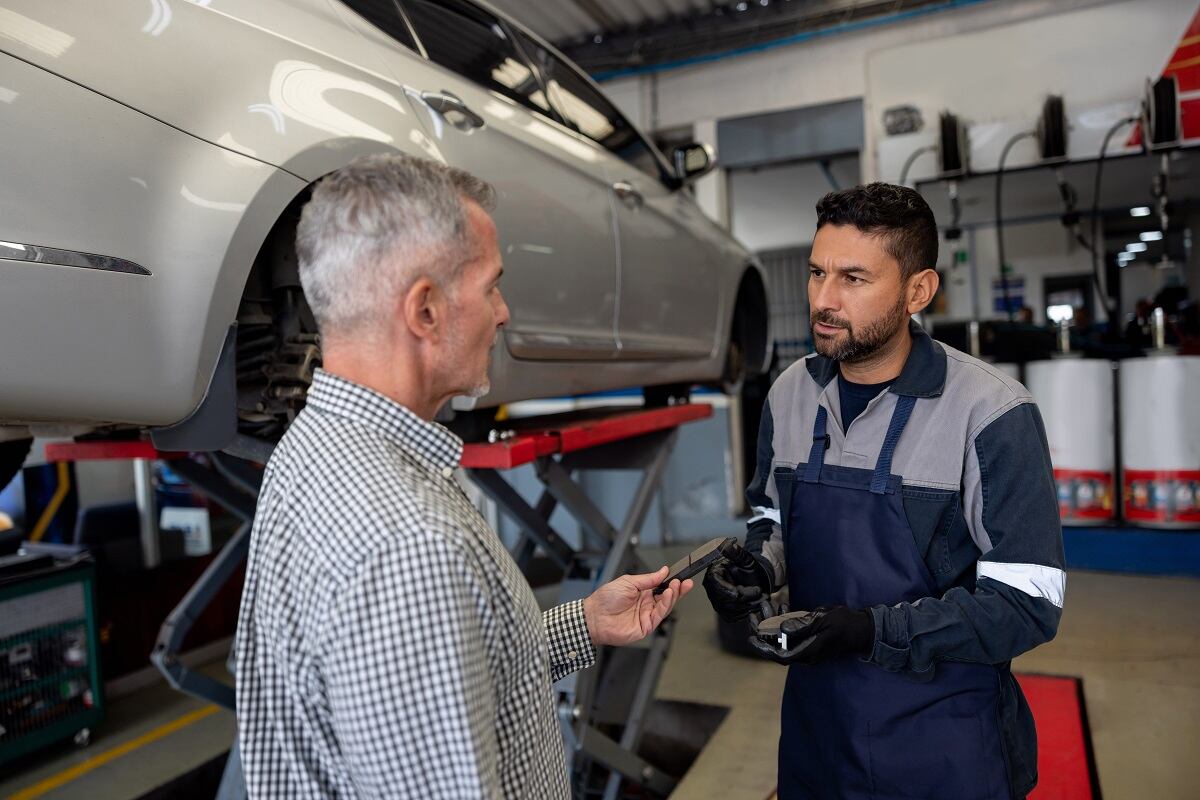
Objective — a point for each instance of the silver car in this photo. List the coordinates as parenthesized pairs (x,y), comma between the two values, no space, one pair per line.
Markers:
(156,155)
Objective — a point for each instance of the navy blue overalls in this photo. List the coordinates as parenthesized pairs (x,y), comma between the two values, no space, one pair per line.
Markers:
(850,729)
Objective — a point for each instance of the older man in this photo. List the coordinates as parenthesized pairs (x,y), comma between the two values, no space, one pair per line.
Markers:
(387,643)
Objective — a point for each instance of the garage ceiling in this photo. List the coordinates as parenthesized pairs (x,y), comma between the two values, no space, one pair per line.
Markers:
(608,37)
(568,20)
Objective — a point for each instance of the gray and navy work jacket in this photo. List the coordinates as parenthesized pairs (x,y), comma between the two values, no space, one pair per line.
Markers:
(979,494)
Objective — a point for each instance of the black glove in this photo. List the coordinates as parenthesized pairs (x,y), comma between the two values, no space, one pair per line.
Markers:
(834,632)
(737,584)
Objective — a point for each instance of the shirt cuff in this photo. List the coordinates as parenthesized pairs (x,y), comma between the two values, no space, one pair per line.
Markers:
(571,648)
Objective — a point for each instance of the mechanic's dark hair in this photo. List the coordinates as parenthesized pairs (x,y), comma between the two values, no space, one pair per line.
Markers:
(897,214)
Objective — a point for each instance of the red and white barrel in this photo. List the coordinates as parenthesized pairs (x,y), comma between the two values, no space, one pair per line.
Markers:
(1075,397)
(1160,440)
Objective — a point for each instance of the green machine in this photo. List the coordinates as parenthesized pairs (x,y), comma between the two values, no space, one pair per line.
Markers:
(50,684)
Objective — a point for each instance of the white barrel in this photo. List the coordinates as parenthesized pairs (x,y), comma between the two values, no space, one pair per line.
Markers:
(1160,440)
(1075,397)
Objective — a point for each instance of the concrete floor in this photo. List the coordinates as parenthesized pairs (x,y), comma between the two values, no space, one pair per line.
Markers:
(1134,641)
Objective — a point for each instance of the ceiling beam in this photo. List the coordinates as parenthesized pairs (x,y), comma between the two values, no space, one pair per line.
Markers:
(599,14)
(725,29)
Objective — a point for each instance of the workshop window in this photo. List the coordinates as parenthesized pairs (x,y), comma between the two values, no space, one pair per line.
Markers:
(590,113)
(473,43)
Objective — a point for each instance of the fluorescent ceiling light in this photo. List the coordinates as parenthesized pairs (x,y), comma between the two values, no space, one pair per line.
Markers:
(1150,236)
(1136,247)
(1139,211)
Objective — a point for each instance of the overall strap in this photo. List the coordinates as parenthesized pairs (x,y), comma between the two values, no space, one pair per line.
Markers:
(883,469)
(816,457)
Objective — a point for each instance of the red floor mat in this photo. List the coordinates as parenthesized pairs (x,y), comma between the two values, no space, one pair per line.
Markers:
(1065,767)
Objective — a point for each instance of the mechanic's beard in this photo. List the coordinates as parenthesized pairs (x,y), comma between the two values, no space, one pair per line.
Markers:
(857,347)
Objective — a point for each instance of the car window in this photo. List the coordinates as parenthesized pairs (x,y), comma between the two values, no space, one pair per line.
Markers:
(473,43)
(589,112)
(384,15)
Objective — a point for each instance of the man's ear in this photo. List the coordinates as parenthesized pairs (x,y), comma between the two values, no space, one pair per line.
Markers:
(422,309)
(921,289)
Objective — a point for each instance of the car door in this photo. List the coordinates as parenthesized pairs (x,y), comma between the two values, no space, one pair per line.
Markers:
(669,296)
(486,112)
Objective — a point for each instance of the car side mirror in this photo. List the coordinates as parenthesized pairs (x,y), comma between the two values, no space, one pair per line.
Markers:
(693,160)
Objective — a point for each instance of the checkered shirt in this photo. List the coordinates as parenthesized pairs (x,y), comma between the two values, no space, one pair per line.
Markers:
(388,645)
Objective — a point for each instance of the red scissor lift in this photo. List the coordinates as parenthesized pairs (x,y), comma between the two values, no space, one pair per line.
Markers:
(617,691)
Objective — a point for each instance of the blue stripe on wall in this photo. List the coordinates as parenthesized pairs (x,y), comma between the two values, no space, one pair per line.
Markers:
(1137,550)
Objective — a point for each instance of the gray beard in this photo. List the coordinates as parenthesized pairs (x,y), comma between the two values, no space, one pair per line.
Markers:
(480,389)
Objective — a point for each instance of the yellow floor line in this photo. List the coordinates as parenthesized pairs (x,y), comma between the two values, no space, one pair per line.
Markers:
(81,769)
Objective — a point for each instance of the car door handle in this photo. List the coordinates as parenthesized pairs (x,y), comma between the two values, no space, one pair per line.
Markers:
(627,194)
(446,103)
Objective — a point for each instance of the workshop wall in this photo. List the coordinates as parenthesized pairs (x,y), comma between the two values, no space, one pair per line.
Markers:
(996,80)
(775,207)
(827,69)
(1036,250)
(962,60)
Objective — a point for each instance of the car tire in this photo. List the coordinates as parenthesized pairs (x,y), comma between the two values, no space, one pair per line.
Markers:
(733,375)
(12,457)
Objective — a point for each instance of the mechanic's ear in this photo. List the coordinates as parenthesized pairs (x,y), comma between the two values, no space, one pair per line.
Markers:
(921,289)
(422,309)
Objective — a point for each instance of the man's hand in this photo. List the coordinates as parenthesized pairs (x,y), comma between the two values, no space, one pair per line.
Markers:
(736,586)
(837,631)
(626,610)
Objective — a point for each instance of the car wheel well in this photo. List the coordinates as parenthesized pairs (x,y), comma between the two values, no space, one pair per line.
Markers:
(749,328)
(278,347)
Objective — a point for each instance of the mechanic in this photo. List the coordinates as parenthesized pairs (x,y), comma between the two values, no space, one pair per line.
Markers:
(905,489)
(387,643)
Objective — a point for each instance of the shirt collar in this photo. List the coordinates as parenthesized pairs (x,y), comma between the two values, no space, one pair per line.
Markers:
(428,441)
(924,373)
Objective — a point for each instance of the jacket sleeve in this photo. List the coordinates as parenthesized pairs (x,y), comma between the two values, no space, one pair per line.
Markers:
(1011,508)
(764,531)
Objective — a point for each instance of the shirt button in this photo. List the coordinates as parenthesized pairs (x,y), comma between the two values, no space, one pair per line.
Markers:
(571,656)
(447,472)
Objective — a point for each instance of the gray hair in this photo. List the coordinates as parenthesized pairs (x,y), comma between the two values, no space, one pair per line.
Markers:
(375,226)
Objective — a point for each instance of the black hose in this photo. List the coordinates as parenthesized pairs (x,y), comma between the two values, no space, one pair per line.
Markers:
(1097,245)
(1070,217)
(1000,218)
(908,162)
